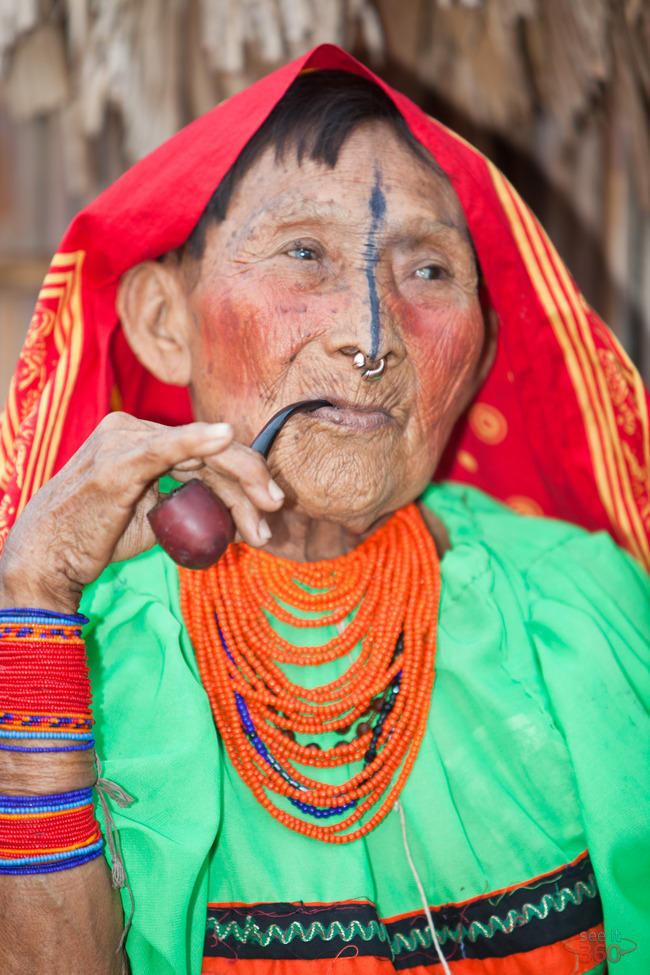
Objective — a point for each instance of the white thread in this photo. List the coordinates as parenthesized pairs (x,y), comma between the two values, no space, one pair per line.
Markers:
(104,787)
(423,898)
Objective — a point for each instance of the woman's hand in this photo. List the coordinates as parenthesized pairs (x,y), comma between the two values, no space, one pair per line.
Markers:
(94,510)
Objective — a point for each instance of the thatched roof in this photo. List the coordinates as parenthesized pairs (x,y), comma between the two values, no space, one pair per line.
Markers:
(557,90)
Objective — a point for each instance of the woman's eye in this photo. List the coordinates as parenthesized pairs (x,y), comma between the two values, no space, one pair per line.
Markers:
(302,253)
(432,272)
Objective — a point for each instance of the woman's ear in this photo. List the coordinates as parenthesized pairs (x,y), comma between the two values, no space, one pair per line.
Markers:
(152,307)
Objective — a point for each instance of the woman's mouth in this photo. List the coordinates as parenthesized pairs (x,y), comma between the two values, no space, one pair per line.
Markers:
(352,417)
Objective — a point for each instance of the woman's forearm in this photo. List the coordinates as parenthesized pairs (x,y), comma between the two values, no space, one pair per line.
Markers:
(62,922)
(57,921)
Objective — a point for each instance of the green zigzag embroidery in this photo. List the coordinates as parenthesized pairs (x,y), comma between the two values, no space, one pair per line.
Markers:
(252,933)
(558,901)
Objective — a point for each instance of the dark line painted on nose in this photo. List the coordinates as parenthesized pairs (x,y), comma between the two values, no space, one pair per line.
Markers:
(377,206)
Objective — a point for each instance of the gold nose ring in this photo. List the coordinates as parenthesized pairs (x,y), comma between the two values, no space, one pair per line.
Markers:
(360,362)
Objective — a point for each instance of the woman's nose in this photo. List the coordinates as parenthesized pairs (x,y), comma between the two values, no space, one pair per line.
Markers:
(366,323)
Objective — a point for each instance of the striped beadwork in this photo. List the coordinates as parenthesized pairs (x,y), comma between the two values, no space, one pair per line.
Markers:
(45,708)
(42,834)
(44,685)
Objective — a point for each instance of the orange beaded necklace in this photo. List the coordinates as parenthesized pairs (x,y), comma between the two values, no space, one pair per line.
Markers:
(391,583)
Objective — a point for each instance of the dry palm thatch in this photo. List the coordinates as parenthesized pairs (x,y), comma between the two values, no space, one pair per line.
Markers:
(559,90)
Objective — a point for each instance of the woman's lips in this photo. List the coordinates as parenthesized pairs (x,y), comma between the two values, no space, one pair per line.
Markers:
(352,418)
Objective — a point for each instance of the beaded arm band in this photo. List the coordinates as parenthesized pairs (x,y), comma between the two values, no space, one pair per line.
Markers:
(45,699)
(43,834)
(44,685)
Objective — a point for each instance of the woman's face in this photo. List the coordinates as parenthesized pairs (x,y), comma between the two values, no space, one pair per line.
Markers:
(312,265)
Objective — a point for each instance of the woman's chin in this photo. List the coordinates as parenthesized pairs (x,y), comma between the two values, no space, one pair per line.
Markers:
(353,485)
(345,502)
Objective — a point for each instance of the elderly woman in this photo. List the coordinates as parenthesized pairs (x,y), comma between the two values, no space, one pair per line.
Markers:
(293,787)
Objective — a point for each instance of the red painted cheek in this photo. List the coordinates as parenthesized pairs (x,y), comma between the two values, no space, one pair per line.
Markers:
(247,338)
(445,341)
(227,341)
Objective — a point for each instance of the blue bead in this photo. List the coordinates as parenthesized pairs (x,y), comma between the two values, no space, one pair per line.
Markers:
(64,748)
(51,867)
(50,857)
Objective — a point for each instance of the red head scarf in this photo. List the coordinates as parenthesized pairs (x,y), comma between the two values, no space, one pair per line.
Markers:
(560,427)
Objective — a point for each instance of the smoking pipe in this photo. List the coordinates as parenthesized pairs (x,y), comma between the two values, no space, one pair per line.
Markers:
(192,524)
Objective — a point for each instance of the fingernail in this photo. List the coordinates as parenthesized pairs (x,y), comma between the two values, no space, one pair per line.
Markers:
(264,531)
(276,491)
(219,430)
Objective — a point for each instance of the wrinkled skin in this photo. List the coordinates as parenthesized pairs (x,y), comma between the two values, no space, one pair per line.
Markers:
(309,266)
(284,299)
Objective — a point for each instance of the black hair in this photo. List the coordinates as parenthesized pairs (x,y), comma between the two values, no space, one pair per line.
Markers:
(316,115)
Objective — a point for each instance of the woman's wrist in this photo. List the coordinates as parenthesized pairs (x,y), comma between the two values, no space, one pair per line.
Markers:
(45,698)
(17,588)
(36,774)
(37,753)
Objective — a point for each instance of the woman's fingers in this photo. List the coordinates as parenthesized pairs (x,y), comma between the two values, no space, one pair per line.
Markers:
(240,478)
(249,521)
(204,448)
(248,516)
(154,449)
(94,510)
(248,469)
(236,473)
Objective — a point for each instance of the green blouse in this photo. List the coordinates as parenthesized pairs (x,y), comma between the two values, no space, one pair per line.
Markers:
(537,749)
